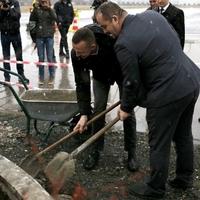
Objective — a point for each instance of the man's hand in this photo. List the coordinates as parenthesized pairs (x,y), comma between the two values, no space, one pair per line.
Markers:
(81,125)
(123,115)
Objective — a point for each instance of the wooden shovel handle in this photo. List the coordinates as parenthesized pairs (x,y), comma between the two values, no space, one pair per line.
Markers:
(93,138)
(75,132)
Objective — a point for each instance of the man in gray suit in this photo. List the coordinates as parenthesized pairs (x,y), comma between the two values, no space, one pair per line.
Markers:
(159,76)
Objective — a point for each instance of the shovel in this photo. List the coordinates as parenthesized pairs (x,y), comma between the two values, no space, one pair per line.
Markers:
(33,164)
(62,166)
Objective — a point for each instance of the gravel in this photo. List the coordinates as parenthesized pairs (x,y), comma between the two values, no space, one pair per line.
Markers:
(108,181)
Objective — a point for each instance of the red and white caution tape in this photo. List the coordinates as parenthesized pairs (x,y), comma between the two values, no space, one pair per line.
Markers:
(35,63)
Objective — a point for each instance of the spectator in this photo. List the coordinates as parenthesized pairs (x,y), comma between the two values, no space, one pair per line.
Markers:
(10,34)
(65,16)
(44,18)
(95,5)
(153,5)
(93,51)
(175,17)
(155,64)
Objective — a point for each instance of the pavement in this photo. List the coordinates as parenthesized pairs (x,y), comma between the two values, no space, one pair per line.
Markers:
(64,78)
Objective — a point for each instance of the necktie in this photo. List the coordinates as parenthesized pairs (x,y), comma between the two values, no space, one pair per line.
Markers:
(161,10)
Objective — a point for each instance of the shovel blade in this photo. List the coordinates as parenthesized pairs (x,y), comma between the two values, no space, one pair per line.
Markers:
(60,168)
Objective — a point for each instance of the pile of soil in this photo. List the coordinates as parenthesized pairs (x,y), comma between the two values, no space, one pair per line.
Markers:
(110,180)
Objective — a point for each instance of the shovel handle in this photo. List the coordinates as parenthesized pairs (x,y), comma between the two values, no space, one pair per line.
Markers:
(75,132)
(93,138)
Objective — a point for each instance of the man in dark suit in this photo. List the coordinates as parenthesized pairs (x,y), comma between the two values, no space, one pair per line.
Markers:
(175,17)
(159,76)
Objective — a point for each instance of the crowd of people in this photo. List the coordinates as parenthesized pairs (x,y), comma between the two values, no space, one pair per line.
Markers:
(42,23)
(143,54)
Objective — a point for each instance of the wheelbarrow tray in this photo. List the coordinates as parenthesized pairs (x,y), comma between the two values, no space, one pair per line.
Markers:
(50,105)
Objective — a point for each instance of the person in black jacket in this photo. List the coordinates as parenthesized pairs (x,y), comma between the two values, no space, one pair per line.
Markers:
(175,16)
(158,75)
(93,51)
(95,5)
(65,15)
(10,34)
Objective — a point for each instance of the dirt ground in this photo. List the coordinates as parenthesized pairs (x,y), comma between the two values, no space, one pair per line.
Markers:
(110,180)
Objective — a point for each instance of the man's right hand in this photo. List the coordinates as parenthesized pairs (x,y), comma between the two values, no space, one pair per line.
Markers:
(81,126)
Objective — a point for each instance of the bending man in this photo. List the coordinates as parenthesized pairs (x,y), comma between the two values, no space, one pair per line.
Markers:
(93,51)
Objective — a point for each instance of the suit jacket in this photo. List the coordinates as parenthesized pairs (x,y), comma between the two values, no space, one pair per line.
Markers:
(155,70)
(175,17)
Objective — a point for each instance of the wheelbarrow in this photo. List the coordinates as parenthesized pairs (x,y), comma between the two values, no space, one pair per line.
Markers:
(53,105)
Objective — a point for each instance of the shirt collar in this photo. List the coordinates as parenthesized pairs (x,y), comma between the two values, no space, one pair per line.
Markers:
(165,7)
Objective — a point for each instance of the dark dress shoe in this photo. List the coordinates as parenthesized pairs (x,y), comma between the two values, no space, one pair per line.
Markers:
(179,184)
(144,191)
(132,165)
(91,161)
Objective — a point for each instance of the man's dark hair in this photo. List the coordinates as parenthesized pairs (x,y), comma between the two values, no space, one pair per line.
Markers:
(97,3)
(83,34)
(108,9)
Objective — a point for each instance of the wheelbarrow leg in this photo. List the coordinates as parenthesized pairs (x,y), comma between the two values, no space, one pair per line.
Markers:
(28,126)
(47,133)
(36,128)
(52,125)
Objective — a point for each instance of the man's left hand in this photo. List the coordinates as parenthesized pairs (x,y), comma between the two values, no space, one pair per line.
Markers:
(123,115)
